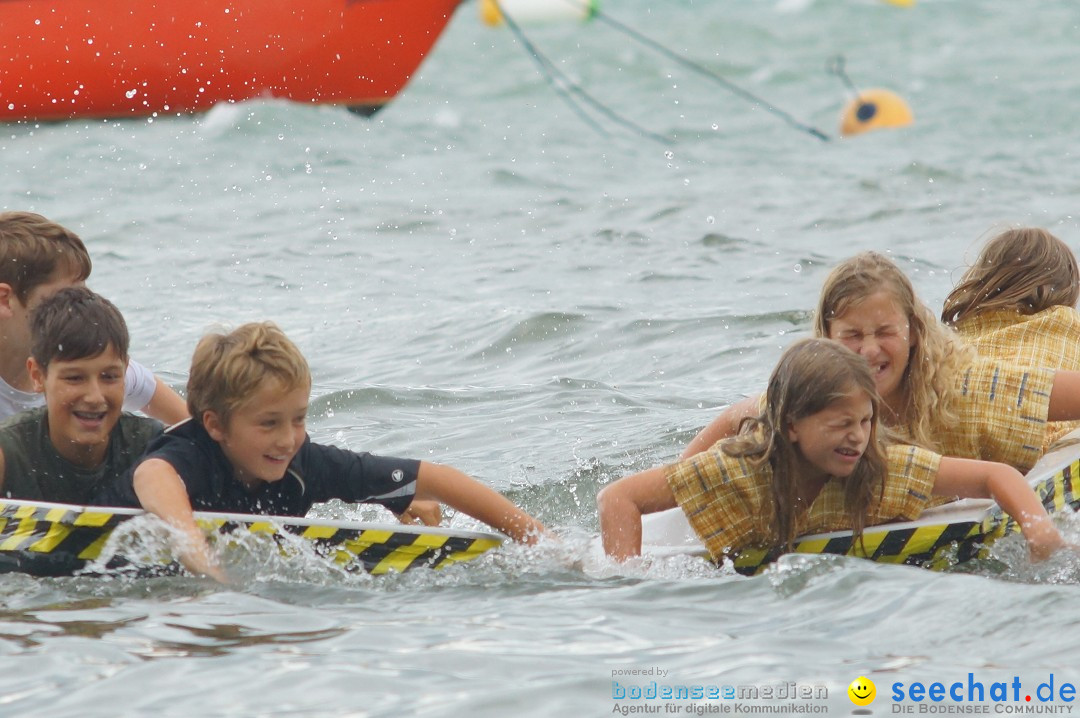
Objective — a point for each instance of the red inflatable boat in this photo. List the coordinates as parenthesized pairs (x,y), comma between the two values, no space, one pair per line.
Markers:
(61,59)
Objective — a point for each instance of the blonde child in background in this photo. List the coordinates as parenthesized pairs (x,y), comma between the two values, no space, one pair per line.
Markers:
(936,392)
(811,461)
(1017,303)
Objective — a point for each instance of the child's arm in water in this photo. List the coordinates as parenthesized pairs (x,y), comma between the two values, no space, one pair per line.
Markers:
(969,478)
(457,490)
(723,426)
(163,493)
(621,506)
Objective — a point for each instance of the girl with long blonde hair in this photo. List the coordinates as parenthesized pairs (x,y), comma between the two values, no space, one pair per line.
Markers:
(936,392)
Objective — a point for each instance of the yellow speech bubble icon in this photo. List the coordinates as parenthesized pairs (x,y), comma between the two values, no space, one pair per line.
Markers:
(862,691)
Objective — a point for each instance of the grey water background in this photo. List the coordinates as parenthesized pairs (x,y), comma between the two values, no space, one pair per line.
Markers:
(480,279)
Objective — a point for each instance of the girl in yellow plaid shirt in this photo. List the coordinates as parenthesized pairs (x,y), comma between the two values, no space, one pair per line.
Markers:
(936,391)
(809,462)
(1017,303)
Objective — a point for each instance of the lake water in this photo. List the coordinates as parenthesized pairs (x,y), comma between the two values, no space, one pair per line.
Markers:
(479,278)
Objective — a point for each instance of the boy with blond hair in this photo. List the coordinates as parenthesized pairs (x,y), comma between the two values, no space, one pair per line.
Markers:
(37,258)
(80,441)
(246,450)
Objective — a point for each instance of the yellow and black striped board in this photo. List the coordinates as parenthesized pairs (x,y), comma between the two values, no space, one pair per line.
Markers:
(58,539)
(941,537)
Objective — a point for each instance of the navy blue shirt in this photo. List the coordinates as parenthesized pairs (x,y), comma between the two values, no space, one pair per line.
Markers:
(317,473)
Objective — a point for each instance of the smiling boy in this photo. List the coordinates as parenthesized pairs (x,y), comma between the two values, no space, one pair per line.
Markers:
(37,258)
(246,450)
(80,441)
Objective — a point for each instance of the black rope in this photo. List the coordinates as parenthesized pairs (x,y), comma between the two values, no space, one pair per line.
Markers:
(568,89)
(702,70)
(835,66)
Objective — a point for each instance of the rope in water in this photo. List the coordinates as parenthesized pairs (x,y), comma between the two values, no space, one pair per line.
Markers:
(835,66)
(706,72)
(567,89)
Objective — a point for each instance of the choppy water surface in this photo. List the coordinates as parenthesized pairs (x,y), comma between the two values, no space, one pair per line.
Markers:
(479,278)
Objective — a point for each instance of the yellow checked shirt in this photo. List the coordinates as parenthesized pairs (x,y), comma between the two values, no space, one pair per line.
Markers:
(729,503)
(1002,414)
(1050,338)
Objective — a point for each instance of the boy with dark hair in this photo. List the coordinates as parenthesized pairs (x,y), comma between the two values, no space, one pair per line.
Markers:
(37,258)
(246,450)
(79,441)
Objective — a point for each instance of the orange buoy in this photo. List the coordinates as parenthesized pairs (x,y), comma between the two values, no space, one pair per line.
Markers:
(875,110)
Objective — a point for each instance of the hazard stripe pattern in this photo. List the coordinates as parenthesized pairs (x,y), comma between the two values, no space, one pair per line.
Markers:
(57,541)
(930,546)
(51,541)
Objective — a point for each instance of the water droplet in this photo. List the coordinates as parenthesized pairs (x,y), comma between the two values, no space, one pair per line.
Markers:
(715,126)
(797,268)
(131,93)
(710,219)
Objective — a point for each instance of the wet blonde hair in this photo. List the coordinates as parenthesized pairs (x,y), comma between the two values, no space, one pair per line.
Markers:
(227,370)
(937,354)
(811,375)
(1026,269)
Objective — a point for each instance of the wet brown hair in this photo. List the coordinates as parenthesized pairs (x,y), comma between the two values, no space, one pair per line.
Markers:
(33,250)
(76,323)
(1026,269)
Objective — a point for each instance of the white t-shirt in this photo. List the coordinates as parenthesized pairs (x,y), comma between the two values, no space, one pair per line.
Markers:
(139,387)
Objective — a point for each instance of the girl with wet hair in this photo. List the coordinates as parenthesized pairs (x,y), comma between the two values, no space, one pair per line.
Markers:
(810,461)
(1017,303)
